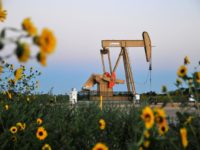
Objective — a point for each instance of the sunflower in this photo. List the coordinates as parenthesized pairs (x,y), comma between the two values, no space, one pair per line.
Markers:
(14,138)
(39,121)
(21,126)
(41,133)
(23,52)
(46,147)
(178,82)
(183,133)
(140,148)
(3,13)
(186,60)
(146,134)
(46,41)
(13,129)
(146,143)
(102,124)
(18,73)
(100,146)
(148,117)
(159,115)
(11,81)
(12,67)
(1,69)
(6,107)
(197,77)
(182,71)
(163,128)
(42,58)
(29,27)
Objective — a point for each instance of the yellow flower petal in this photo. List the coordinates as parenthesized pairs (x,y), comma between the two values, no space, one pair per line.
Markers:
(186,60)
(41,133)
(3,15)
(183,133)
(13,129)
(102,124)
(23,52)
(148,117)
(18,73)
(39,121)
(42,58)
(47,41)
(29,27)
(100,146)
(182,71)
(46,147)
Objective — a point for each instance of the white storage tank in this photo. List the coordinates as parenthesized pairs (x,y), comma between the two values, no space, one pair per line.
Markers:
(137,98)
(73,96)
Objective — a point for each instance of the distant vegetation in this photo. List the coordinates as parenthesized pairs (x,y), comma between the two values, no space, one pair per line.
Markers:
(179,95)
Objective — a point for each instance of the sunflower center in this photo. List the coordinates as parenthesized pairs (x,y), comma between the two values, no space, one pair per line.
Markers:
(99,148)
(147,117)
(40,133)
(198,77)
(163,129)
(159,119)
(100,124)
(46,148)
(13,138)
(47,40)
(182,71)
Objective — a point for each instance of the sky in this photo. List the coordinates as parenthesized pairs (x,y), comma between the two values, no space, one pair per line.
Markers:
(173,26)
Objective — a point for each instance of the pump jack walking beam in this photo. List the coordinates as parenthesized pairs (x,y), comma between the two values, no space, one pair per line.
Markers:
(146,43)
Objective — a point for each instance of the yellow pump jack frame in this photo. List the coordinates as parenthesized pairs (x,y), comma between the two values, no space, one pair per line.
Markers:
(102,81)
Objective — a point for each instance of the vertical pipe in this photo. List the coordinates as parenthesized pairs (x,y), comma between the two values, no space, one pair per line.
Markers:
(101,103)
(103,64)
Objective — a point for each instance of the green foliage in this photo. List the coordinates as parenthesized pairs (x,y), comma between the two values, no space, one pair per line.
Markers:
(76,127)
(24,83)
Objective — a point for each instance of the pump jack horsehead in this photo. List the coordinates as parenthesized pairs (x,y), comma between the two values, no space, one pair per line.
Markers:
(106,81)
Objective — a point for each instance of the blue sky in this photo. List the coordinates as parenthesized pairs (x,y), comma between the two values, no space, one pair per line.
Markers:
(173,26)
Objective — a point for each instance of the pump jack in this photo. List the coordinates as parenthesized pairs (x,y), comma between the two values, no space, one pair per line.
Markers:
(106,81)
